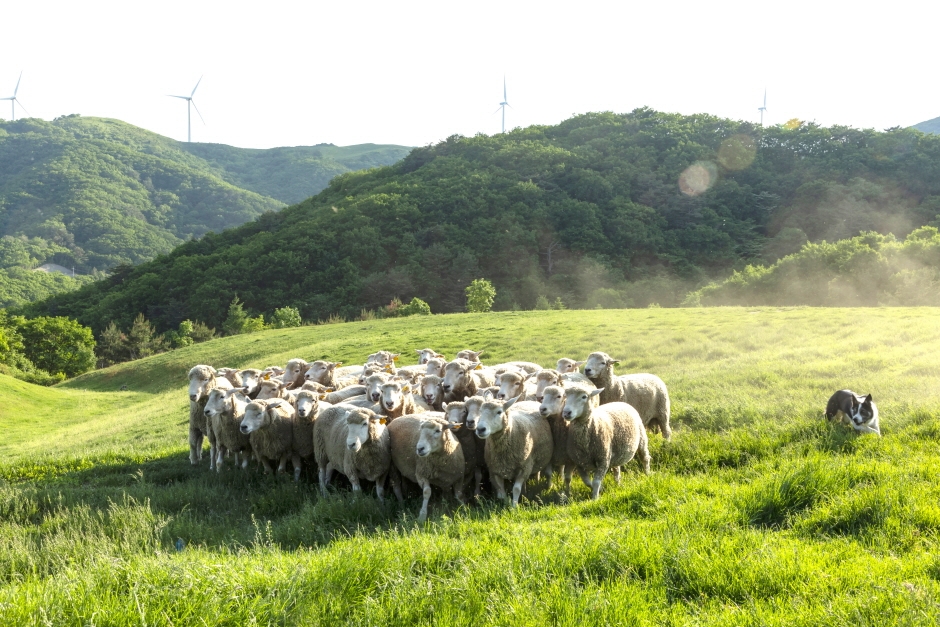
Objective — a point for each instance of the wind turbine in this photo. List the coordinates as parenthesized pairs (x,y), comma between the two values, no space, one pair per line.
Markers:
(504,104)
(189,102)
(13,100)
(764,108)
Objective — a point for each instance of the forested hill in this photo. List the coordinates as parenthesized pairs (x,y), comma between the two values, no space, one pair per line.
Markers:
(93,193)
(600,210)
(929,126)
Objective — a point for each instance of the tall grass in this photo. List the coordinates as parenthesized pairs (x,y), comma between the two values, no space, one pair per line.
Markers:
(757,513)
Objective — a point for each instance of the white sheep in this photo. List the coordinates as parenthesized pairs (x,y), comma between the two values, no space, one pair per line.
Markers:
(432,392)
(513,384)
(518,444)
(224,410)
(373,385)
(202,380)
(324,372)
(603,438)
(552,404)
(397,400)
(473,447)
(435,367)
(462,378)
(566,365)
(427,354)
(469,355)
(386,358)
(647,393)
(405,432)
(272,389)
(358,447)
(440,461)
(294,372)
(526,367)
(545,378)
(270,425)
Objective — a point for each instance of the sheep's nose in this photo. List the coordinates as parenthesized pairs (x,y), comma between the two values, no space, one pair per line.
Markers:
(422,451)
(500,396)
(543,411)
(481,432)
(389,404)
(445,387)
(243,429)
(375,398)
(566,414)
(540,398)
(193,397)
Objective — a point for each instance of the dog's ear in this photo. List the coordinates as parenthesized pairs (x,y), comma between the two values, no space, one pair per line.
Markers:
(868,398)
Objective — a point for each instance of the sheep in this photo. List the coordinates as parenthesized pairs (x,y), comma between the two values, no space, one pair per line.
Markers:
(386,358)
(566,365)
(358,447)
(513,384)
(545,378)
(647,393)
(405,433)
(440,461)
(518,444)
(325,372)
(294,373)
(397,400)
(231,374)
(322,428)
(346,372)
(458,380)
(373,386)
(473,406)
(427,354)
(526,367)
(272,389)
(436,367)
(469,355)
(411,371)
(473,447)
(345,394)
(224,410)
(273,371)
(553,402)
(603,438)
(270,427)
(202,380)
(370,369)
(432,392)
(250,379)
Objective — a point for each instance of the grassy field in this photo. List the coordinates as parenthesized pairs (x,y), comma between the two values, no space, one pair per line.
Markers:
(757,513)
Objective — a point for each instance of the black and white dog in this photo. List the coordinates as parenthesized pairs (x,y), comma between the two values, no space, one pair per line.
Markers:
(859,411)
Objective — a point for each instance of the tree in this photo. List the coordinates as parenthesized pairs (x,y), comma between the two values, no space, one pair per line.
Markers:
(112,346)
(415,307)
(286,317)
(202,332)
(236,319)
(142,339)
(480,296)
(182,336)
(58,345)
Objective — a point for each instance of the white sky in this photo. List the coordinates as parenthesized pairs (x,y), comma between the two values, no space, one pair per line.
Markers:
(280,73)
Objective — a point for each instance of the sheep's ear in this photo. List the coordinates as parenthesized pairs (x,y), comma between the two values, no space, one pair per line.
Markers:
(418,351)
(406,388)
(444,407)
(487,394)
(578,364)
(438,355)
(596,392)
(395,356)
(612,361)
(510,403)
(531,374)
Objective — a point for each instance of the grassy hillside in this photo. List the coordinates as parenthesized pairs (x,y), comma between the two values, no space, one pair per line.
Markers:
(602,210)
(929,126)
(92,193)
(757,513)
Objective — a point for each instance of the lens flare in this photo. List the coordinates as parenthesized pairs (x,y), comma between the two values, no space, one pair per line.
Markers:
(697,178)
(737,152)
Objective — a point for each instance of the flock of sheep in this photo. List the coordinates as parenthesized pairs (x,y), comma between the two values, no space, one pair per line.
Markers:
(438,423)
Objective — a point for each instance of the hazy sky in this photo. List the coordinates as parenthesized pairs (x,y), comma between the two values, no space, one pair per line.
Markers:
(299,73)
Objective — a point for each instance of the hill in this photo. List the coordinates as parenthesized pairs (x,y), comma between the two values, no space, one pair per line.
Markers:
(601,210)
(94,193)
(929,126)
(757,513)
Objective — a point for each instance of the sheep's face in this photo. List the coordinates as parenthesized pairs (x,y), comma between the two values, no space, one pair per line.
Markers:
(255,418)
(270,389)
(597,364)
(469,355)
(393,395)
(544,379)
(374,386)
(216,404)
(361,427)
(473,405)
(306,403)
(425,355)
(294,372)
(320,372)
(436,367)
(456,377)
(384,358)
(510,386)
(493,419)
(250,380)
(577,405)
(455,413)
(431,390)
(566,365)
(553,401)
(200,379)
(432,435)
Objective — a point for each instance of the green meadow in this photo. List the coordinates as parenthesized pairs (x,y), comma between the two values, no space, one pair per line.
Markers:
(759,512)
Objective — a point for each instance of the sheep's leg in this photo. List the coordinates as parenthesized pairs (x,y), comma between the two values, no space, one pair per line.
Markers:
(585,477)
(395,479)
(596,484)
(354,480)
(426,489)
(664,427)
(548,474)
(324,478)
(458,494)
(282,464)
(616,470)
(213,448)
(517,491)
(478,482)
(380,488)
(195,445)
(568,470)
(644,451)
(220,453)
(266,463)
(497,482)
(295,460)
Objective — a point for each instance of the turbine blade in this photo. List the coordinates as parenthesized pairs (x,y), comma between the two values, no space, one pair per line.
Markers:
(17,88)
(16,100)
(192,102)
(196,87)
(183,97)
(504,89)
(498,109)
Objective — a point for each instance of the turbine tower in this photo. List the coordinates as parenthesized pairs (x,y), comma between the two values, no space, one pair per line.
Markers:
(504,104)
(764,108)
(13,100)
(190,105)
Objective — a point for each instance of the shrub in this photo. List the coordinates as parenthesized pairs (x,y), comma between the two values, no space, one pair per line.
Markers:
(286,317)
(415,307)
(480,296)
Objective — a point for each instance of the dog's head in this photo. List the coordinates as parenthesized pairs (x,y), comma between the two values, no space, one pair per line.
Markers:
(863,409)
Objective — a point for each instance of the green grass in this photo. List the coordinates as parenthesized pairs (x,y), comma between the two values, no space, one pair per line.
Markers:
(757,513)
